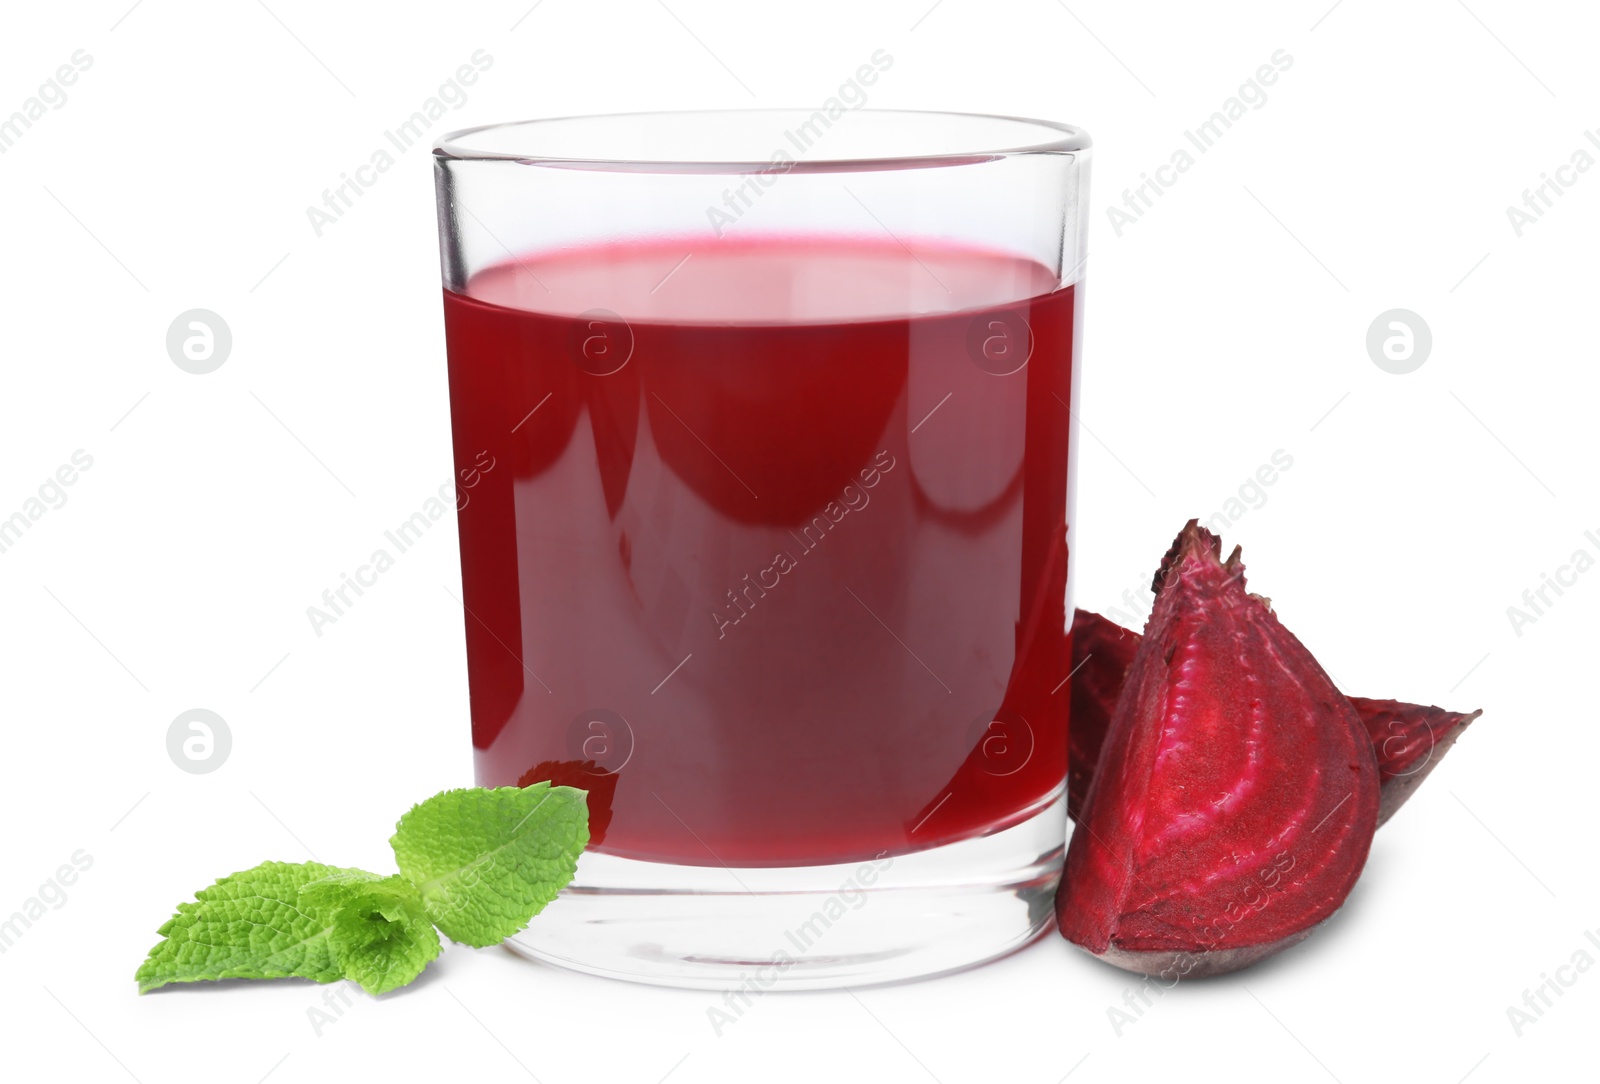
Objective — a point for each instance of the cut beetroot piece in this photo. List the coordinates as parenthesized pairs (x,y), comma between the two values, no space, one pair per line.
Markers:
(1102,651)
(1409,740)
(1237,790)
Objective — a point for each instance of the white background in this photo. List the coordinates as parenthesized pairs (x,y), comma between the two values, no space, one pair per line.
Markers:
(1225,324)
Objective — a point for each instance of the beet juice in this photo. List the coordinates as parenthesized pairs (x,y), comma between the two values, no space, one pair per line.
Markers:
(775,570)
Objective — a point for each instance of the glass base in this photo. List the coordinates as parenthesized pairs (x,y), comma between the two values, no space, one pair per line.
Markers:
(807,927)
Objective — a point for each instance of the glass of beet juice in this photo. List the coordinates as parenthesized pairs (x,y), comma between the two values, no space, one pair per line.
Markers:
(770,420)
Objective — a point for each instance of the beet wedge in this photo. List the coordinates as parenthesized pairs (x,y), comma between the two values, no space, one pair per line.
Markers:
(1408,739)
(1102,651)
(1237,790)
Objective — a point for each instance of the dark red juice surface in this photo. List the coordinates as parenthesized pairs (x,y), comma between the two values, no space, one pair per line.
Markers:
(775,570)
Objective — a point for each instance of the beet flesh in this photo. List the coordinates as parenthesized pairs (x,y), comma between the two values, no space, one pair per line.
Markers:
(1236,793)
(1409,740)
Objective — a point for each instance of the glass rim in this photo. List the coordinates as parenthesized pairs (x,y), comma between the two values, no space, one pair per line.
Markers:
(464,145)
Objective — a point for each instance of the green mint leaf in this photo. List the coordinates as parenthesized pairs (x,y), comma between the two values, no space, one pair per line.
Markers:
(249,925)
(486,861)
(381,936)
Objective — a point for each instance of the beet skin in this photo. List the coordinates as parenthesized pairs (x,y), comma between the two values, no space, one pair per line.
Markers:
(1409,740)
(1102,651)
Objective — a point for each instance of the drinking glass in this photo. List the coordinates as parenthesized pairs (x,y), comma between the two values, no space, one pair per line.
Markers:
(765,423)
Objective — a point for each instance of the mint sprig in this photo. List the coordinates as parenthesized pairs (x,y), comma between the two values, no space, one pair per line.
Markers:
(249,925)
(478,863)
(381,936)
(488,861)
